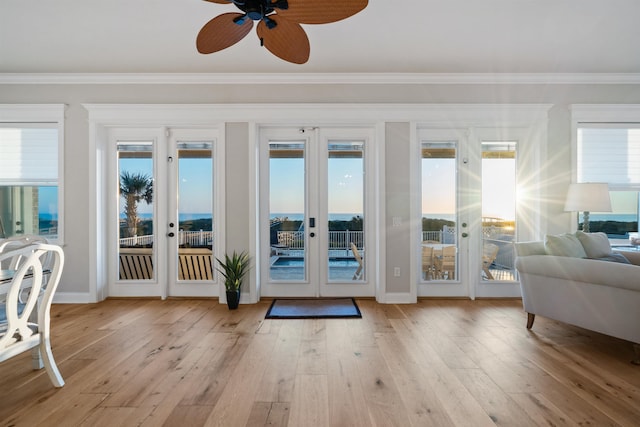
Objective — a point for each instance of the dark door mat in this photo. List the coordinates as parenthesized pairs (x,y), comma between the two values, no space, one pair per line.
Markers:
(313,308)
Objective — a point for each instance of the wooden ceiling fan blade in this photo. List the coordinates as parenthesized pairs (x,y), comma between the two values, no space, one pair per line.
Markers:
(222,31)
(287,40)
(321,12)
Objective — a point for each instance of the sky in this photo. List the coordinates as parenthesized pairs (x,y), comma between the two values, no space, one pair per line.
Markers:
(344,185)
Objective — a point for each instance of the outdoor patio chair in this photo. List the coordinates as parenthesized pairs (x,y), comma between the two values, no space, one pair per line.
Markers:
(447,263)
(489,254)
(428,267)
(25,309)
(359,271)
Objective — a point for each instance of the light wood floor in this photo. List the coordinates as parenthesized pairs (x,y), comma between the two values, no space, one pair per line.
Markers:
(435,363)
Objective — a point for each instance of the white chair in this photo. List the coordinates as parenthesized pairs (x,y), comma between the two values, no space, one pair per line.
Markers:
(20,241)
(25,312)
(358,274)
(489,254)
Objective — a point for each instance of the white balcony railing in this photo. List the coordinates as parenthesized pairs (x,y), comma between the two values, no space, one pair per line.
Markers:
(337,239)
(188,238)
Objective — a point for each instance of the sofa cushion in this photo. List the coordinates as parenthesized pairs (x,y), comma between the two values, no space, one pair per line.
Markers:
(596,245)
(564,245)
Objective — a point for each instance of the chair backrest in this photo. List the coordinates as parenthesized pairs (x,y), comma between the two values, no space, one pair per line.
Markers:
(31,289)
(449,253)
(427,257)
(489,253)
(20,241)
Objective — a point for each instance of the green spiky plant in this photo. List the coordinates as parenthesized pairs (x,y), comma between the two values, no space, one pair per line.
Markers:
(233,269)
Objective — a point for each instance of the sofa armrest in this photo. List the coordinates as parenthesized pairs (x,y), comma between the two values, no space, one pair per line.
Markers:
(593,271)
(632,256)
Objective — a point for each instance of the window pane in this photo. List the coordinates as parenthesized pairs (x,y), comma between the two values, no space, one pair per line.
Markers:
(29,210)
(622,220)
(135,167)
(286,210)
(439,211)
(29,180)
(195,210)
(498,210)
(345,197)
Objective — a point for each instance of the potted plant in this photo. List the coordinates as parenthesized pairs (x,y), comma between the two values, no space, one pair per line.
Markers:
(233,269)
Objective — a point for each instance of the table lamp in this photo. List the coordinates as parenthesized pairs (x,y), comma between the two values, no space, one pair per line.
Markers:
(588,197)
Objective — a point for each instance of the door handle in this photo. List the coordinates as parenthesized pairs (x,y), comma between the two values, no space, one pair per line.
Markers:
(465,235)
(312,234)
(171,234)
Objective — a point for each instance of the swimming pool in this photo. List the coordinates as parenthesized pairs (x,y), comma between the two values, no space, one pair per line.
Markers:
(299,262)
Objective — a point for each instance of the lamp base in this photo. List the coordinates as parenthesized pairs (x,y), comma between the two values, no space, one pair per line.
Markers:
(585,221)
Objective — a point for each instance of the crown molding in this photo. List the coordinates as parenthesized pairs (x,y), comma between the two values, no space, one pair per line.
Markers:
(321,78)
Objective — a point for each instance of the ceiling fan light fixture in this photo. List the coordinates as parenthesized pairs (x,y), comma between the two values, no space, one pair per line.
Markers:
(278,28)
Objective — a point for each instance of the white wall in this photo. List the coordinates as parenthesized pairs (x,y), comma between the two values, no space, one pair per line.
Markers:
(77,218)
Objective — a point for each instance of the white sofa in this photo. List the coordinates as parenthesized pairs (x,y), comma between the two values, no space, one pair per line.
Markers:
(578,279)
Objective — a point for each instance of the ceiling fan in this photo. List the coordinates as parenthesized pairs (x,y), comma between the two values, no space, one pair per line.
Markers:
(278,29)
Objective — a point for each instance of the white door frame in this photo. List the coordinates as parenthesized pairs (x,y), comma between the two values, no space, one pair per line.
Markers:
(528,123)
(316,283)
(165,183)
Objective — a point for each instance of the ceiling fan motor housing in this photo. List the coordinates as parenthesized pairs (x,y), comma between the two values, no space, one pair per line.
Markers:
(259,9)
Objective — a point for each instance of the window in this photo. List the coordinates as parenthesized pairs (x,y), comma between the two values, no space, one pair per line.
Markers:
(610,152)
(30,173)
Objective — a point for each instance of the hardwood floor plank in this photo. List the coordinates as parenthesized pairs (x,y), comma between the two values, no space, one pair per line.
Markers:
(277,382)
(347,403)
(384,403)
(233,408)
(460,405)
(496,403)
(271,414)
(541,410)
(422,405)
(310,404)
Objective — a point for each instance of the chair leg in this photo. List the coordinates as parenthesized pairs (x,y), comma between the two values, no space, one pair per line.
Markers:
(36,359)
(50,363)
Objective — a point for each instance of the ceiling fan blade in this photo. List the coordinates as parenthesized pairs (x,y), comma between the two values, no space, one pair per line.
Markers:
(220,1)
(287,40)
(321,12)
(222,32)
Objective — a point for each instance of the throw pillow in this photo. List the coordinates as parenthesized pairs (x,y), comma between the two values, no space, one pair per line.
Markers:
(564,245)
(614,257)
(596,245)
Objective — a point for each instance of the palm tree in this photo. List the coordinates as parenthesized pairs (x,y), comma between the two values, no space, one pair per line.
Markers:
(135,187)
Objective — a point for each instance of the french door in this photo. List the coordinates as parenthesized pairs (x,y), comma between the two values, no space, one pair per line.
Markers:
(468,211)
(163,212)
(316,212)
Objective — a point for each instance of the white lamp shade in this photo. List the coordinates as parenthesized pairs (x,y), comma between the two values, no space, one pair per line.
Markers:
(588,196)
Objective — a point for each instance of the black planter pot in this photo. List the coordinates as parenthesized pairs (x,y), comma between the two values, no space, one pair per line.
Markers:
(233,299)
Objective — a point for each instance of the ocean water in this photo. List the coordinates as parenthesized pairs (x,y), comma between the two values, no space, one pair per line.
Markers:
(181,217)
(613,217)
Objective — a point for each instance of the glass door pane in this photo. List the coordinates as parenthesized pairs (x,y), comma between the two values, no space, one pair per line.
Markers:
(195,212)
(345,211)
(287,238)
(498,210)
(439,212)
(136,221)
